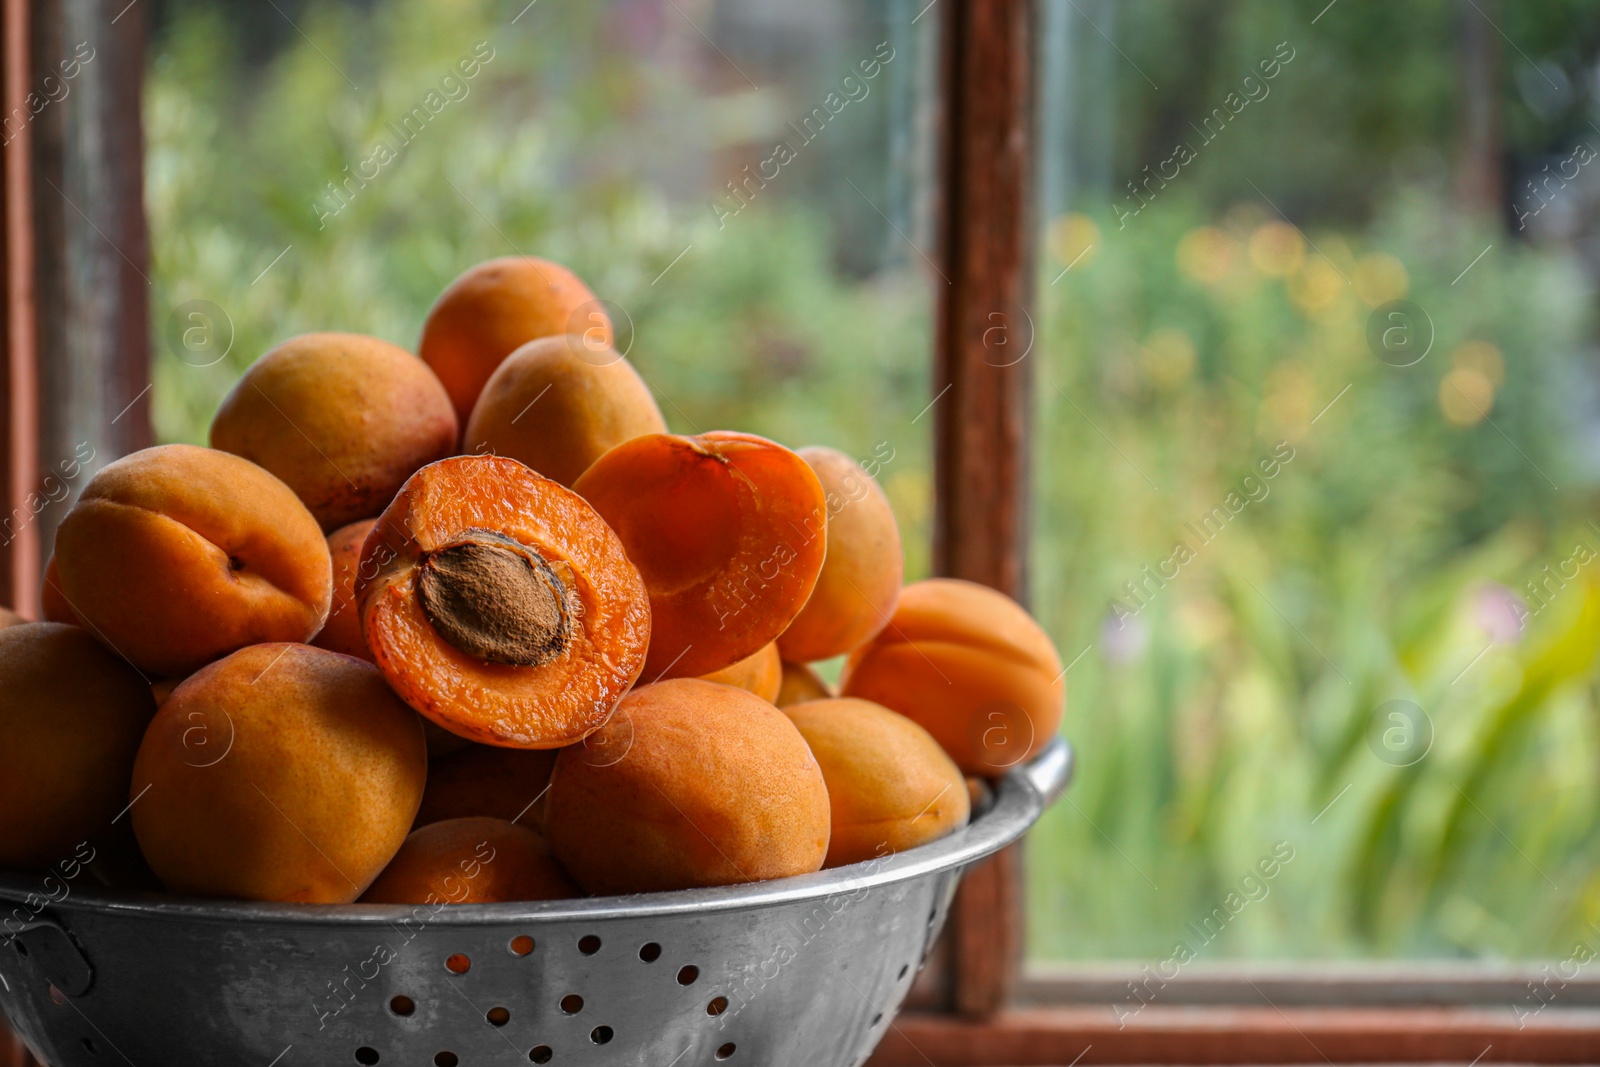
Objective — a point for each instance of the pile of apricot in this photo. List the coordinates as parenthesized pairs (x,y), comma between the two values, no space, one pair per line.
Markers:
(476,627)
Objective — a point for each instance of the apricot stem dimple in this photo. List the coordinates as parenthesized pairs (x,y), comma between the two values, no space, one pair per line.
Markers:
(495,599)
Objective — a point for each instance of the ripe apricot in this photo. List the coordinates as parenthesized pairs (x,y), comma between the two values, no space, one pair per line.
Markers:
(861,575)
(496,308)
(558,405)
(890,786)
(342,631)
(176,555)
(10,618)
(342,418)
(471,861)
(728,530)
(72,713)
(52,601)
(760,673)
(692,784)
(500,605)
(800,683)
(282,772)
(502,783)
(971,667)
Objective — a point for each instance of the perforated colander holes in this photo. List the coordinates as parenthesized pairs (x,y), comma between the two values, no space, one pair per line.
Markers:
(588,944)
(541,1054)
(724,1051)
(367,1056)
(445,1059)
(458,963)
(717,1006)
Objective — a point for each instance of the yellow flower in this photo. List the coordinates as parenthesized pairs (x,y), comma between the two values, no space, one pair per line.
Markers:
(1206,254)
(1072,239)
(1315,286)
(1277,249)
(1380,278)
(1466,396)
(1483,357)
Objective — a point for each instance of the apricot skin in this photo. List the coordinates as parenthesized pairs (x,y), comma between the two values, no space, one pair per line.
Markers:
(890,786)
(282,772)
(342,631)
(860,579)
(72,713)
(494,309)
(501,783)
(706,785)
(799,684)
(971,667)
(558,406)
(471,861)
(760,673)
(52,601)
(176,555)
(342,418)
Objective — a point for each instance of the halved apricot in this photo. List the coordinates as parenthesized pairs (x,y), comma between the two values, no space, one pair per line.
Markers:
(971,667)
(861,575)
(471,861)
(728,530)
(500,605)
(494,309)
(176,555)
(342,631)
(558,405)
(760,673)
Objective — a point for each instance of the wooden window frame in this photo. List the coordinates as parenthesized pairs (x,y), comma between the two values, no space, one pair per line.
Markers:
(60,386)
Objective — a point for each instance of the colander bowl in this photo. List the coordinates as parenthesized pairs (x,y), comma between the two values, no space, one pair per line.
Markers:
(806,970)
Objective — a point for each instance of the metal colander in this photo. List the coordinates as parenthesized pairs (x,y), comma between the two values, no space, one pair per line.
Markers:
(806,970)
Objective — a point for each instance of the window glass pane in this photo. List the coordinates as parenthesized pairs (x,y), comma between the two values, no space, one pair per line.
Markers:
(744,184)
(1315,478)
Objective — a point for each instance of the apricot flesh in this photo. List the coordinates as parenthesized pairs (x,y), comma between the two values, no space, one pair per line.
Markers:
(860,578)
(72,713)
(971,667)
(728,531)
(799,684)
(502,783)
(282,772)
(471,861)
(500,605)
(760,673)
(697,784)
(176,555)
(890,786)
(497,307)
(342,631)
(558,405)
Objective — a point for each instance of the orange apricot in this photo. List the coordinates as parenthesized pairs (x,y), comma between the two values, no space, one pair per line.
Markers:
(72,713)
(691,784)
(727,529)
(471,861)
(557,405)
(52,601)
(342,418)
(501,783)
(760,673)
(342,631)
(496,308)
(890,786)
(10,618)
(970,666)
(282,772)
(861,574)
(176,555)
(500,605)
(799,684)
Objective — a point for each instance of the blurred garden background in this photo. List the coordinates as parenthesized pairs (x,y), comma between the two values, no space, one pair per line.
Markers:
(1314,346)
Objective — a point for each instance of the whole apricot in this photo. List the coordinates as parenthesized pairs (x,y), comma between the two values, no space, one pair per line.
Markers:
(342,631)
(890,786)
(501,783)
(799,684)
(52,601)
(500,605)
(496,308)
(971,667)
(760,673)
(690,784)
(72,713)
(861,573)
(728,531)
(342,418)
(10,618)
(558,405)
(471,861)
(281,772)
(176,555)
